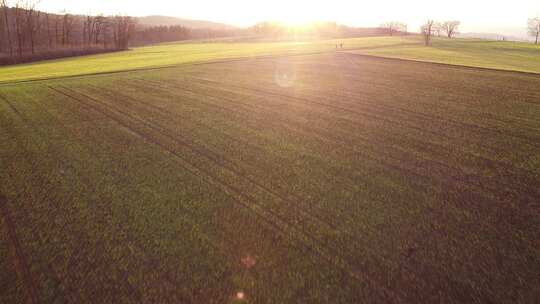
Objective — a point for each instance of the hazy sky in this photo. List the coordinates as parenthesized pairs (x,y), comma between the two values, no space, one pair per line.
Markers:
(476,15)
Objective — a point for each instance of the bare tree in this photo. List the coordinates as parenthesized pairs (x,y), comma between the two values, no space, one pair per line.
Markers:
(2,28)
(27,34)
(123,28)
(57,21)
(393,27)
(48,29)
(533,28)
(450,28)
(438,29)
(427,31)
(19,27)
(87,30)
(106,28)
(5,6)
(99,22)
(31,27)
(67,28)
(5,27)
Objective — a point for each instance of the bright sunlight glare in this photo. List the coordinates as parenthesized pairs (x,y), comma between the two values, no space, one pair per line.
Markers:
(473,14)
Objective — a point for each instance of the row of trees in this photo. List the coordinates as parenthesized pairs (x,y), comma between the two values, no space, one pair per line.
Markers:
(432,28)
(156,34)
(27,33)
(450,29)
(314,30)
(394,27)
(428,30)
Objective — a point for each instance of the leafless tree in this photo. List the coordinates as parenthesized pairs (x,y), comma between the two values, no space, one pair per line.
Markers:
(105,31)
(31,25)
(88,30)
(438,29)
(27,34)
(533,28)
(450,28)
(2,28)
(427,31)
(48,29)
(57,37)
(393,27)
(19,27)
(123,28)
(4,4)
(67,27)
(5,25)
(99,28)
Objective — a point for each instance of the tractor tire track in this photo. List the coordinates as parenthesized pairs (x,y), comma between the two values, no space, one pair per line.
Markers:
(401,169)
(410,271)
(77,256)
(219,248)
(168,115)
(467,181)
(239,196)
(429,145)
(72,286)
(21,262)
(458,124)
(492,163)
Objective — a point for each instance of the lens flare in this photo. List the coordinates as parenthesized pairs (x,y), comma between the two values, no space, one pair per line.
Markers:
(285,74)
(240,295)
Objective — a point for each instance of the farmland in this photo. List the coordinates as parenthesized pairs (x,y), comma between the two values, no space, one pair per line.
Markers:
(503,55)
(320,178)
(171,54)
(487,54)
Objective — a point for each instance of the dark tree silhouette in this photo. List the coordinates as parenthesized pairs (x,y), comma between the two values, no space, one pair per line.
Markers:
(533,28)
(394,27)
(427,31)
(451,28)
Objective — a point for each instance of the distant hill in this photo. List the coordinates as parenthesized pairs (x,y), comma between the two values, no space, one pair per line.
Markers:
(492,36)
(194,24)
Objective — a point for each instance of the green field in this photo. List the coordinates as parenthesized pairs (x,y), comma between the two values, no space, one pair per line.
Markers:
(174,54)
(488,54)
(329,177)
(514,56)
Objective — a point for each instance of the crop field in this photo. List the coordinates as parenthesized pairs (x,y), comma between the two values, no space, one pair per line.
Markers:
(503,55)
(322,178)
(170,54)
(475,53)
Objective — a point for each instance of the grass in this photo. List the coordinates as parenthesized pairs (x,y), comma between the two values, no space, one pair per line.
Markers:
(329,178)
(514,56)
(474,53)
(173,54)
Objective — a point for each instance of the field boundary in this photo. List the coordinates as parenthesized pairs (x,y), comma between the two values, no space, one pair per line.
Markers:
(469,67)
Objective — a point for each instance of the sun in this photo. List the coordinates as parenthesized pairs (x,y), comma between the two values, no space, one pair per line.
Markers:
(296,20)
(296,14)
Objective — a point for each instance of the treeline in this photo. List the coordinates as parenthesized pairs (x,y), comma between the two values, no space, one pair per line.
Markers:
(27,34)
(157,34)
(263,30)
(432,28)
(315,30)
